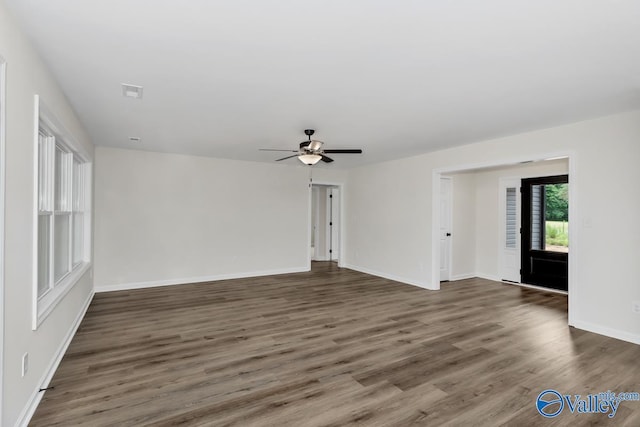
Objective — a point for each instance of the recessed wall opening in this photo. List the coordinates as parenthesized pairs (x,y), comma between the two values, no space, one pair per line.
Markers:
(485,221)
(325,223)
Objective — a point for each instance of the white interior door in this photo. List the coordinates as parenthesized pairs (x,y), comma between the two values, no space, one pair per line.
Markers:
(334,223)
(510,230)
(445,228)
(325,223)
(315,195)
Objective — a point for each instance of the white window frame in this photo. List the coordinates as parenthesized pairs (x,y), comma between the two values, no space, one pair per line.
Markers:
(61,139)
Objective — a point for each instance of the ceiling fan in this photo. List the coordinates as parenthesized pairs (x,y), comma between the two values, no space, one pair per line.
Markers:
(311,152)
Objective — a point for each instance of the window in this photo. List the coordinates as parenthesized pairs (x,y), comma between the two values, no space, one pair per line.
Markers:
(549,217)
(511,218)
(62,223)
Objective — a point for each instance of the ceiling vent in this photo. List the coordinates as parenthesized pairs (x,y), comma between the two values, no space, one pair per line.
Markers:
(132,91)
(134,139)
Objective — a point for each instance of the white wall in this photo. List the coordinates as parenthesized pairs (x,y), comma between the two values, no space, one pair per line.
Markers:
(387,215)
(26,77)
(389,210)
(167,218)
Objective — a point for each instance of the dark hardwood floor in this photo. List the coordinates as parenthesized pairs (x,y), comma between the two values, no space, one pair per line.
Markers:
(332,347)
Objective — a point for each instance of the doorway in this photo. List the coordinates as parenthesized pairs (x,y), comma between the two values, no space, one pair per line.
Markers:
(445,228)
(325,222)
(545,232)
(487,257)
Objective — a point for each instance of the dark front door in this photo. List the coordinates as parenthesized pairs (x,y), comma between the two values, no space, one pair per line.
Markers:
(545,231)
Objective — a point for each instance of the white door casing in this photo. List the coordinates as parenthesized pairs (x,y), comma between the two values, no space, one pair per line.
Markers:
(334,223)
(325,222)
(509,251)
(445,228)
(315,195)
(3,117)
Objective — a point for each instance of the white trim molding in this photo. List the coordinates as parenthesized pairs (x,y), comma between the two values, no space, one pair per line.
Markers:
(462,277)
(3,117)
(58,293)
(199,279)
(42,306)
(391,277)
(36,396)
(608,332)
(342,221)
(507,282)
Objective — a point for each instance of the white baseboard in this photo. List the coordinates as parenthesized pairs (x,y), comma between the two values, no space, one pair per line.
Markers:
(462,276)
(540,288)
(388,276)
(522,285)
(200,279)
(36,396)
(587,326)
(609,332)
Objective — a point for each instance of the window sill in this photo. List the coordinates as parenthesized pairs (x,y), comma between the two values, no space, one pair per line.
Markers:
(50,300)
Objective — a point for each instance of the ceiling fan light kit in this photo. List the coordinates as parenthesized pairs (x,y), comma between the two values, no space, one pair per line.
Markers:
(311,152)
(309,159)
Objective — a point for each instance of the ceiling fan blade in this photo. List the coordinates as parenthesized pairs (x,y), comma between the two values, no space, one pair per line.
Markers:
(276,149)
(326,159)
(345,151)
(285,158)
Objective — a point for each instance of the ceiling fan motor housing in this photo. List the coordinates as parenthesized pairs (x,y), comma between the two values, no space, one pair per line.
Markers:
(311,146)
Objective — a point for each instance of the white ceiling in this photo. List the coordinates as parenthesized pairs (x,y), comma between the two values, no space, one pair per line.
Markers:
(396,78)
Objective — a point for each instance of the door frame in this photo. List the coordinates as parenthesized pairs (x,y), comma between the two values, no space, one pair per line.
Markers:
(341,228)
(315,208)
(329,215)
(503,184)
(574,214)
(450,214)
(3,121)
(525,221)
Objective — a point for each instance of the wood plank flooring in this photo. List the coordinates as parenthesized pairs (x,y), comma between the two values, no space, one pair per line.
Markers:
(332,347)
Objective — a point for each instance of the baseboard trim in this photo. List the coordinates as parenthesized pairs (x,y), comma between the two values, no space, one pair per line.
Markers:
(539,288)
(608,332)
(586,326)
(36,396)
(462,277)
(200,279)
(388,276)
(522,285)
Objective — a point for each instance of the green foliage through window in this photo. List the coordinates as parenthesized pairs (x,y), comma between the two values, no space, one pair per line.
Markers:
(557,202)
(557,233)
